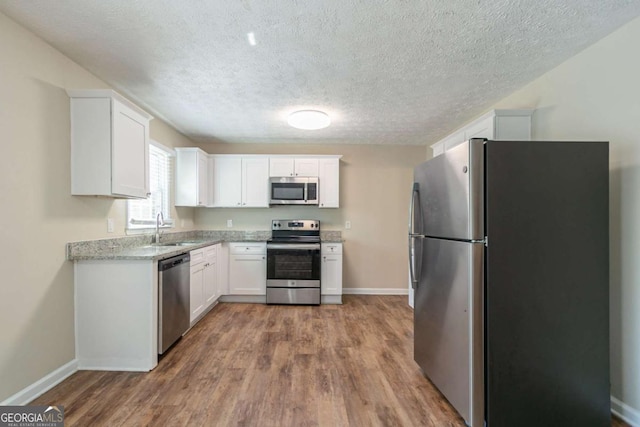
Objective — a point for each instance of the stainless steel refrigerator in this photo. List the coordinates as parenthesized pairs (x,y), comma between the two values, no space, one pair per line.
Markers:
(509,260)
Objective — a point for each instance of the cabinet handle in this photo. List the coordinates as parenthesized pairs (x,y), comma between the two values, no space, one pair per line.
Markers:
(243,204)
(325,259)
(262,257)
(238,203)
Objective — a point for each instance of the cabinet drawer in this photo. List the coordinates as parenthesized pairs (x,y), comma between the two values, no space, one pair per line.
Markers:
(248,248)
(210,251)
(197,256)
(331,248)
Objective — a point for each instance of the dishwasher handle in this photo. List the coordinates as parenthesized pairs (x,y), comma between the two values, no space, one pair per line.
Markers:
(168,263)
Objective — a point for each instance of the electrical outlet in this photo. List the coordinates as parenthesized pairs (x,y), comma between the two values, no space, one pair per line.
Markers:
(347,225)
(109,225)
(229,223)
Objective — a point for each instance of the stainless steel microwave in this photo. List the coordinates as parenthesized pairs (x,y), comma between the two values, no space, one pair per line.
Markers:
(293,191)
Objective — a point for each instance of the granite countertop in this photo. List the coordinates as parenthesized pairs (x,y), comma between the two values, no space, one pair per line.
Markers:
(150,251)
(140,247)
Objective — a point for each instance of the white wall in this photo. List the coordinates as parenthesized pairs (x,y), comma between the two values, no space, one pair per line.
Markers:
(596,96)
(39,216)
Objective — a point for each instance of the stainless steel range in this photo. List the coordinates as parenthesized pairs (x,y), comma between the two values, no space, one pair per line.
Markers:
(293,262)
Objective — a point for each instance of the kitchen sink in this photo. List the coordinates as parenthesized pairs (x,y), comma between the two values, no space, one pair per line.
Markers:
(173,244)
(176,244)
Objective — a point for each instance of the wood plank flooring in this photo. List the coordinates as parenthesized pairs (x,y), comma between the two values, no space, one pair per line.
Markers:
(258,365)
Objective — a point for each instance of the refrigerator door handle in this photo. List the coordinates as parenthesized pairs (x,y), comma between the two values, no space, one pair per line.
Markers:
(412,236)
(412,272)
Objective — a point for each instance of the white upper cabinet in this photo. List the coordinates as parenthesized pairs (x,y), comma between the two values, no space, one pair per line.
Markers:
(227,181)
(293,166)
(109,145)
(329,182)
(240,181)
(192,177)
(496,124)
(255,182)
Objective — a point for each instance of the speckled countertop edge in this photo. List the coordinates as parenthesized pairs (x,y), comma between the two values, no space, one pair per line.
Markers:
(139,247)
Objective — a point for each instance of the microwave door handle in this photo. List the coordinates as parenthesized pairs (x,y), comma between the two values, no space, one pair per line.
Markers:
(306,190)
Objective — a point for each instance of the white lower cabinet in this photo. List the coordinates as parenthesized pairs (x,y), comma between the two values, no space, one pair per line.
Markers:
(116,314)
(211,278)
(196,282)
(247,268)
(204,280)
(331,273)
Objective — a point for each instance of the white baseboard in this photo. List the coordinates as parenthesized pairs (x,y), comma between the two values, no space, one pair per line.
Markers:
(625,412)
(375,291)
(43,385)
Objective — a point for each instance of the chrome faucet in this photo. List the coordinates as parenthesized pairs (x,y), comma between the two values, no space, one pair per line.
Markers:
(159,222)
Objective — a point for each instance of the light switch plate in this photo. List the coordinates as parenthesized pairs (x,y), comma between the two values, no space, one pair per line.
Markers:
(229,223)
(109,225)
(347,225)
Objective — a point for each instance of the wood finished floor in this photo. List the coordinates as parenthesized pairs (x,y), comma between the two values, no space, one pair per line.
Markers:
(258,365)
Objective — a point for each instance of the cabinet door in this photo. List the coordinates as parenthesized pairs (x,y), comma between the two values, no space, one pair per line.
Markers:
(482,129)
(306,167)
(453,140)
(329,183)
(255,182)
(247,275)
(203,175)
(331,273)
(197,297)
(281,166)
(437,148)
(227,182)
(129,152)
(211,288)
(211,292)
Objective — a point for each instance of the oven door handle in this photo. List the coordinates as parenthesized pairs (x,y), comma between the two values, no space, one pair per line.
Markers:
(294,246)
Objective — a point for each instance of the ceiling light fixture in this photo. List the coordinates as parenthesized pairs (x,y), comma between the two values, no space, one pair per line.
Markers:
(309,119)
(252,39)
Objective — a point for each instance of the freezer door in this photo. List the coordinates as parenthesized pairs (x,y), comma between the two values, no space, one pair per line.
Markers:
(451,192)
(448,323)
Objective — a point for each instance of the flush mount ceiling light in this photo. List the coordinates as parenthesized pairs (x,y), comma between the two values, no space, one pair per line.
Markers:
(309,119)
(251,37)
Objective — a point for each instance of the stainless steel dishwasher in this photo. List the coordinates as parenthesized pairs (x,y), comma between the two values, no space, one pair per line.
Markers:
(173,300)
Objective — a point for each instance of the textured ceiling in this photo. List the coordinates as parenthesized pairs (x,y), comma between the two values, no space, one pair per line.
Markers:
(388,72)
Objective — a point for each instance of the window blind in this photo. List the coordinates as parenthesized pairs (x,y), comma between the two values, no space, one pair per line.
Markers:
(142,213)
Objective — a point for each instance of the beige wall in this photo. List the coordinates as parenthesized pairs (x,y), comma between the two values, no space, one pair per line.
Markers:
(39,216)
(596,95)
(375,183)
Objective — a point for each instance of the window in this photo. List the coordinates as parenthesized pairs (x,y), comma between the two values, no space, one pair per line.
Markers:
(142,213)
